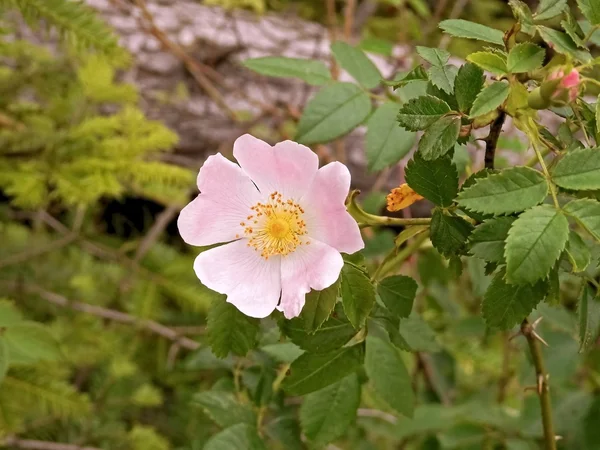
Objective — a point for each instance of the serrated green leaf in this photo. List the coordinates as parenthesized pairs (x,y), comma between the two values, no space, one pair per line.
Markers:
(327,414)
(591,10)
(562,43)
(419,113)
(398,294)
(418,335)
(573,29)
(449,234)
(283,351)
(435,180)
(525,57)
(223,408)
(416,74)
(577,252)
(332,112)
(390,323)
(389,376)
(535,241)
(434,56)
(439,138)
(240,436)
(523,15)
(492,62)
(319,306)
(4,359)
(509,191)
(229,330)
(589,318)
(505,305)
(311,371)
(357,64)
(468,85)
(312,71)
(433,90)
(285,429)
(548,9)
(488,240)
(30,342)
(587,213)
(578,169)
(9,314)
(333,334)
(490,98)
(443,77)
(386,142)
(471,30)
(484,173)
(358,294)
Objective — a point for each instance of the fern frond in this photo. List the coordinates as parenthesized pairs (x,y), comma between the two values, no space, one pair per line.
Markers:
(75,22)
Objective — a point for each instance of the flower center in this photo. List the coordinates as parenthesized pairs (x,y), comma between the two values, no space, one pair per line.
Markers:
(275,227)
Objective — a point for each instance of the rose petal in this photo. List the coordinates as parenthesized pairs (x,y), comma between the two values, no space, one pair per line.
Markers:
(316,266)
(326,217)
(287,168)
(252,284)
(226,195)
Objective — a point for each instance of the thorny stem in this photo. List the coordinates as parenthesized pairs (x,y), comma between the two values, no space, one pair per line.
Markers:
(491,142)
(542,384)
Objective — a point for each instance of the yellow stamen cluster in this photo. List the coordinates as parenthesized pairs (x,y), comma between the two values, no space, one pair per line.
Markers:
(276,227)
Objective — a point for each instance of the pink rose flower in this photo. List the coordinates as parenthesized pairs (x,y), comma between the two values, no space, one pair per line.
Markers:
(283,222)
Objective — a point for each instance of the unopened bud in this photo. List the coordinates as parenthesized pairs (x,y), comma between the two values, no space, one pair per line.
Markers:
(558,89)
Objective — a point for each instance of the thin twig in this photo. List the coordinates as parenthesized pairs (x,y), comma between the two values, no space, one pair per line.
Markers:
(491,141)
(41,445)
(349,13)
(192,65)
(424,366)
(157,228)
(365,412)
(115,316)
(542,383)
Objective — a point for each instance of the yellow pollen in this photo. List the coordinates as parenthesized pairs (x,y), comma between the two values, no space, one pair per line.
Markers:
(279,226)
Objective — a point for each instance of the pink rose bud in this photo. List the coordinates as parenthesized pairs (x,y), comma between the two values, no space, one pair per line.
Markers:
(568,87)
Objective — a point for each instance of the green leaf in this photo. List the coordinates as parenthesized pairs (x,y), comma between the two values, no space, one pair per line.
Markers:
(591,10)
(589,318)
(419,113)
(523,15)
(312,71)
(240,436)
(386,142)
(512,190)
(285,429)
(449,234)
(435,56)
(578,169)
(471,30)
(416,74)
(443,77)
(525,57)
(549,9)
(358,294)
(4,362)
(573,29)
(490,98)
(587,213)
(578,252)
(439,138)
(311,372)
(283,351)
(327,414)
(492,62)
(357,64)
(418,335)
(389,376)
(318,306)
(487,241)
(9,314)
(332,112)
(333,334)
(398,294)
(468,84)
(223,408)
(30,342)
(435,180)
(229,330)
(562,43)
(505,305)
(534,243)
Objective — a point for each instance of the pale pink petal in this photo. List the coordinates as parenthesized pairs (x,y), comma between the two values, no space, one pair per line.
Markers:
(287,168)
(326,217)
(252,284)
(226,196)
(315,265)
